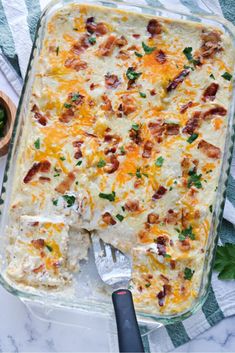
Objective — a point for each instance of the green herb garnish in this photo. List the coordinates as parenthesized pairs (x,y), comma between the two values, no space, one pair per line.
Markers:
(147,49)
(227,76)
(92,40)
(211,208)
(159,161)
(142,95)
(131,74)
(101,163)
(37,144)
(55,202)
(67,105)
(120,217)
(194,179)
(62,158)
(122,150)
(57,50)
(49,247)
(192,138)
(79,163)
(212,76)
(75,97)
(188,232)
(188,273)
(138,54)
(225,261)
(138,174)
(188,53)
(168,256)
(70,199)
(147,284)
(110,197)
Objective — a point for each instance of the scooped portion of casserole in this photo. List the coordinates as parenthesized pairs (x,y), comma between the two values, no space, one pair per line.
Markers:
(124,136)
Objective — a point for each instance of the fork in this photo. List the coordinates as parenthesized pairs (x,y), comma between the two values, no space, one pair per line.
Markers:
(114,268)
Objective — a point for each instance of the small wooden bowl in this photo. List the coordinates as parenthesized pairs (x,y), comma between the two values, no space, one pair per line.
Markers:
(10,109)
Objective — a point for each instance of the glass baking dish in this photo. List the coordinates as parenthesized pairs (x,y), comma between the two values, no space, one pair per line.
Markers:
(90,297)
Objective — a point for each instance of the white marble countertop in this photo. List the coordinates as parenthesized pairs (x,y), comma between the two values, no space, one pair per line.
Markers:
(20,331)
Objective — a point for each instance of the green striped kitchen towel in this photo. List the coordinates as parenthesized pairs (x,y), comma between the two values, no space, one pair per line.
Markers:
(18,19)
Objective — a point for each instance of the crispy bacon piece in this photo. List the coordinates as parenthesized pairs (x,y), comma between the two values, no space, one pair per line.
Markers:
(108,219)
(159,193)
(66,183)
(110,150)
(210,92)
(93,86)
(100,28)
(172,129)
(66,116)
(79,99)
(193,123)
(38,243)
(123,55)
(112,166)
(161,295)
(185,107)
(111,81)
(156,128)
(107,47)
(39,117)
(132,205)
(114,138)
(38,269)
(121,42)
(75,63)
(44,179)
(160,56)
(185,164)
(209,150)
(81,45)
(172,217)
(153,92)
(218,110)
(135,135)
(211,44)
(161,245)
(172,264)
(90,25)
(136,35)
(154,27)
(153,218)
(148,146)
(128,104)
(107,106)
(43,166)
(184,245)
(177,80)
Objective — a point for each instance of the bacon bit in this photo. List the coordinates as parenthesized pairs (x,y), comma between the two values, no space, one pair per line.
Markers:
(209,150)
(221,111)
(43,166)
(38,269)
(100,28)
(135,136)
(185,107)
(154,27)
(110,150)
(184,245)
(172,129)
(172,217)
(210,92)
(156,128)
(153,218)
(196,214)
(111,81)
(108,219)
(164,278)
(123,55)
(40,118)
(112,166)
(128,104)
(81,45)
(75,64)
(211,44)
(79,100)
(185,164)
(153,92)
(148,146)
(136,36)
(34,108)
(34,224)
(140,288)
(172,264)
(177,80)
(162,239)
(160,56)
(161,248)
(93,86)
(114,138)
(90,25)
(42,178)
(66,184)
(193,123)
(161,295)
(107,106)
(138,183)
(159,193)
(106,48)
(121,42)
(90,135)
(67,116)
(38,243)
(77,145)
(132,205)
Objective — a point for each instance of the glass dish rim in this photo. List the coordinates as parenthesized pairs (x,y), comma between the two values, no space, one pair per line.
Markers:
(223,180)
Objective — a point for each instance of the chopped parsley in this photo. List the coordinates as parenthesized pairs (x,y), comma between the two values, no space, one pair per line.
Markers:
(142,95)
(225,261)
(138,54)
(101,163)
(67,105)
(212,76)
(92,40)
(56,175)
(147,284)
(159,161)
(168,256)
(192,138)
(135,127)
(188,67)
(110,197)
(79,162)
(62,158)
(138,174)
(188,273)
(70,199)
(188,232)
(76,183)
(120,217)
(55,202)
(211,208)
(37,144)
(188,53)
(122,150)
(57,50)
(49,247)
(194,179)
(123,208)
(171,188)
(147,49)
(227,76)
(75,97)
(131,74)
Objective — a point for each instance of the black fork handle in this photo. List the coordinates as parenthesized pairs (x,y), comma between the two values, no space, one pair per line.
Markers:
(129,338)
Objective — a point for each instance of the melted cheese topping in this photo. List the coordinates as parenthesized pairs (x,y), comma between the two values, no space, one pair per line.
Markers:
(108,147)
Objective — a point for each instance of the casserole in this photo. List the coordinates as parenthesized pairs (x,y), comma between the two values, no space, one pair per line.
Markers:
(100,301)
